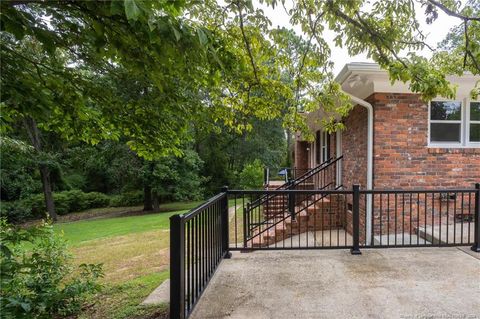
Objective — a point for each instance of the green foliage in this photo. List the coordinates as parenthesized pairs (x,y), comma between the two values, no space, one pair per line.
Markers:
(132,198)
(85,102)
(251,177)
(226,153)
(109,167)
(178,179)
(17,170)
(66,202)
(106,70)
(38,280)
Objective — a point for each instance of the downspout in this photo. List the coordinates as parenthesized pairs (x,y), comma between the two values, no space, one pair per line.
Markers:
(369,107)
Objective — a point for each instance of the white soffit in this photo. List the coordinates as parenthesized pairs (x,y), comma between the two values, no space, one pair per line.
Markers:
(364,79)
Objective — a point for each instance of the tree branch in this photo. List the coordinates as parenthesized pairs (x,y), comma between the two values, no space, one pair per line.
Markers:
(451,12)
(247,44)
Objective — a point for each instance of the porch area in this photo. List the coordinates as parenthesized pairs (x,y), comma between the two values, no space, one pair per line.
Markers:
(380,283)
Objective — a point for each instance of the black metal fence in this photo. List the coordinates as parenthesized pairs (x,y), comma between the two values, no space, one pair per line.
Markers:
(355,218)
(312,219)
(262,210)
(198,242)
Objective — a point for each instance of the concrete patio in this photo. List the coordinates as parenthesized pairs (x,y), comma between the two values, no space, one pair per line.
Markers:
(380,283)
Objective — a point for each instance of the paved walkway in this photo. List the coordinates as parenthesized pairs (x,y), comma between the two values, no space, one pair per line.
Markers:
(380,283)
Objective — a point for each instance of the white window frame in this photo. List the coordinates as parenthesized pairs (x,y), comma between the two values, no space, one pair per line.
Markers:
(470,122)
(464,126)
(323,146)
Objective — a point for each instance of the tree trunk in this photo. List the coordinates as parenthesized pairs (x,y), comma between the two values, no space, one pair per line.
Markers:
(147,187)
(147,197)
(289,151)
(156,202)
(47,192)
(34,134)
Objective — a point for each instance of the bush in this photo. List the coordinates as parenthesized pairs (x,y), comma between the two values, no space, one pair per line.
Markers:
(127,199)
(17,211)
(65,202)
(251,177)
(38,280)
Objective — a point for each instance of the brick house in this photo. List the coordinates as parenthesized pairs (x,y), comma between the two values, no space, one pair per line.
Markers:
(394,140)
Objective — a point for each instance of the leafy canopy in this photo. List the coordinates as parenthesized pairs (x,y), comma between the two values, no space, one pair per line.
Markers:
(62,60)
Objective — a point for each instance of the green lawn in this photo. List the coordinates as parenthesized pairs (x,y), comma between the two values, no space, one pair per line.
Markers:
(82,231)
(86,230)
(134,251)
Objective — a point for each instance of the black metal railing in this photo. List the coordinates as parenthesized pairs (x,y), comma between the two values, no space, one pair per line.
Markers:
(283,174)
(324,218)
(315,220)
(356,218)
(322,177)
(198,242)
(319,177)
(401,218)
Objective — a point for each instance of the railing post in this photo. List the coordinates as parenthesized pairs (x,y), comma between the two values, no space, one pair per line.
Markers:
(291,204)
(177,267)
(476,243)
(266,176)
(224,218)
(246,225)
(355,250)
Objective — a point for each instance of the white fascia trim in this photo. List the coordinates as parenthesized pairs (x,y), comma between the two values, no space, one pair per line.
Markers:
(363,67)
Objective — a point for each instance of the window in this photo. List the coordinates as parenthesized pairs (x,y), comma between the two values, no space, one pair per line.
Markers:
(445,122)
(474,129)
(317,147)
(454,123)
(325,146)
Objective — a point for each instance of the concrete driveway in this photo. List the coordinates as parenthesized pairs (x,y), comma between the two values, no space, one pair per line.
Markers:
(380,283)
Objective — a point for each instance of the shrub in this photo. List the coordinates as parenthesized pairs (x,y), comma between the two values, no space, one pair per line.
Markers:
(38,280)
(17,211)
(251,177)
(127,199)
(96,200)
(76,200)
(65,202)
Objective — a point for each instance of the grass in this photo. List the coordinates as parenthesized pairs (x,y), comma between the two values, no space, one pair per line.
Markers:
(93,230)
(134,251)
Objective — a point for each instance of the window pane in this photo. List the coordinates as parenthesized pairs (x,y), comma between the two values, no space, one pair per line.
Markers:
(474,132)
(445,132)
(475,111)
(445,110)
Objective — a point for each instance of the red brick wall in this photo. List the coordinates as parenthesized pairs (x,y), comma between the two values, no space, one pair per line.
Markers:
(402,160)
(301,154)
(401,156)
(354,163)
(354,146)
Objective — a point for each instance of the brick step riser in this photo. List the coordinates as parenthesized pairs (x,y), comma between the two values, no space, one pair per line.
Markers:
(304,223)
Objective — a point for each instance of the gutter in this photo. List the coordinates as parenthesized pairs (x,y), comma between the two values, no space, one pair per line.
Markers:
(369,107)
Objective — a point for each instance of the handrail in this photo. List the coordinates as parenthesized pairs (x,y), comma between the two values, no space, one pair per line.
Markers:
(200,208)
(298,212)
(297,181)
(317,169)
(324,194)
(269,195)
